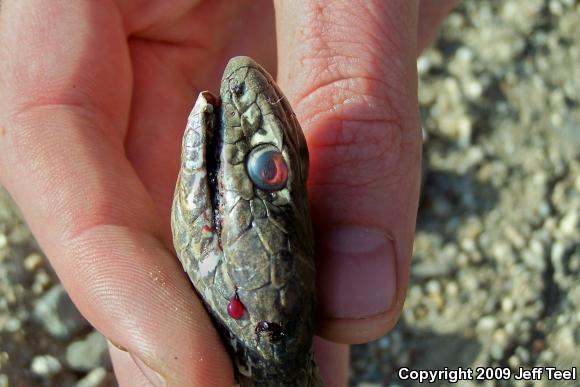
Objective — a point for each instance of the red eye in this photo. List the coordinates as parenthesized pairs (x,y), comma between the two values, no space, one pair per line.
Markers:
(267,168)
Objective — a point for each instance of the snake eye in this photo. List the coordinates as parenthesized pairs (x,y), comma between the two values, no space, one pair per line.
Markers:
(267,168)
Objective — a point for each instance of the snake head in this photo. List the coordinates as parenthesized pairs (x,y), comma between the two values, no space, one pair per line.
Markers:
(240,220)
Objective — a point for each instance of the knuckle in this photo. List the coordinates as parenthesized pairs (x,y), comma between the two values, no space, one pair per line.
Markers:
(360,137)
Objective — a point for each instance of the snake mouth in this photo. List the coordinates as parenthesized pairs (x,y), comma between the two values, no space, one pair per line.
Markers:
(213,149)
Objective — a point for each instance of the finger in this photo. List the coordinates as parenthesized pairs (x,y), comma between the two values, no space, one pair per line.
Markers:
(127,372)
(333,361)
(431,14)
(62,161)
(349,69)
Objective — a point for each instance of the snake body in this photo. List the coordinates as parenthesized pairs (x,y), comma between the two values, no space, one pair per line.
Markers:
(241,226)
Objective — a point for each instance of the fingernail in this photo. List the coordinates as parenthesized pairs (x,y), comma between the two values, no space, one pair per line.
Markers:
(154,377)
(357,276)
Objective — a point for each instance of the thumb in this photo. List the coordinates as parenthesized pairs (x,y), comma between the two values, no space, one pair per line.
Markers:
(349,69)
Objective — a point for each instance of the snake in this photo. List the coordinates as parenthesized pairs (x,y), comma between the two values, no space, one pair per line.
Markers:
(241,226)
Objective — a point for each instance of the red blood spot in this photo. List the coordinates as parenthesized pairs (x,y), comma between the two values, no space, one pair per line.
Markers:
(235,308)
(206,228)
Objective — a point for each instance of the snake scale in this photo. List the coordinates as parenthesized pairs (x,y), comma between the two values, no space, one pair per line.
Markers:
(241,226)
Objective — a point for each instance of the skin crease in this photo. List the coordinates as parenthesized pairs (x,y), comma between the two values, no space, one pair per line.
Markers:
(109,84)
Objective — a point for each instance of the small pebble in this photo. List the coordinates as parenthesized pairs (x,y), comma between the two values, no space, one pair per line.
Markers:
(384,342)
(45,365)
(523,354)
(569,224)
(433,287)
(41,281)
(451,288)
(3,241)
(32,261)
(507,305)
(496,352)
(12,325)
(84,355)
(514,362)
(4,358)
(56,312)
(487,323)
(95,378)
(19,234)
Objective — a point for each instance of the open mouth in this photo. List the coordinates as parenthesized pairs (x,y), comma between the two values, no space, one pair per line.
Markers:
(213,149)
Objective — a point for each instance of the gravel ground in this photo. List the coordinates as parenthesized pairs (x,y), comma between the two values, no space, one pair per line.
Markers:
(496,272)
(495,277)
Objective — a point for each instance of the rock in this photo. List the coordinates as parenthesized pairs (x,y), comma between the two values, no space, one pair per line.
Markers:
(514,362)
(451,288)
(569,224)
(95,378)
(4,358)
(433,287)
(487,323)
(473,89)
(41,281)
(534,255)
(84,355)
(45,365)
(496,351)
(507,305)
(523,354)
(19,234)
(431,269)
(384,342)
(32,261)
(56,312)
(12,325)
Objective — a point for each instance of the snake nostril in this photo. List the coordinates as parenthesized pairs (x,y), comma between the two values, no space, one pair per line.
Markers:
(236,88)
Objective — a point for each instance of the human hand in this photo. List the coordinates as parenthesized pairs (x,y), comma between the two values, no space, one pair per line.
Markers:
(95,97)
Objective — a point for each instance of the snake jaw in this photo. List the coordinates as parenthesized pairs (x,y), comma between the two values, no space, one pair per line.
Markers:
(196,199)
(213,149)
